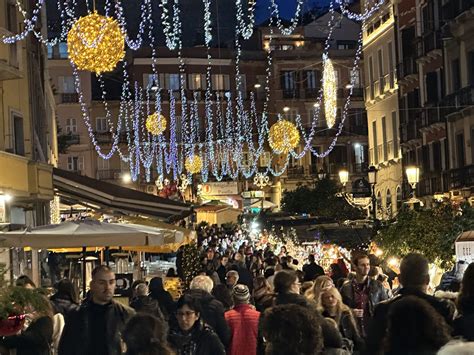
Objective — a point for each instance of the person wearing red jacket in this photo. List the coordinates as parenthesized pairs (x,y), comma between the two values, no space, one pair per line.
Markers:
(243,323)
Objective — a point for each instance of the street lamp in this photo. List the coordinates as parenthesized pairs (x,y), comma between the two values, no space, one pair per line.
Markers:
(372,175)
(413,176)
(343,177)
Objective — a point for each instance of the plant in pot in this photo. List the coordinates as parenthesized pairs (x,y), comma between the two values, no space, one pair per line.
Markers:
(15,303)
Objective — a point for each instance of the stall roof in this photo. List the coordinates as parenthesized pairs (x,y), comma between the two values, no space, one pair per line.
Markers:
(85,190)
(467,236)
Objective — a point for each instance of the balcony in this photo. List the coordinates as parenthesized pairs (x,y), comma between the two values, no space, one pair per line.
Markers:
(291,93)
(71,139)
(462,177)
(359,168)
(357,93)
(410,125)
(69,98)
(295,172)
(430,185)
(432,117)
(112,174)
(429,45)
(454,8)
(9,58)
(458,101)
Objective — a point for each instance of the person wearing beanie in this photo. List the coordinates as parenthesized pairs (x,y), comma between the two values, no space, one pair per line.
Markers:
(243,322)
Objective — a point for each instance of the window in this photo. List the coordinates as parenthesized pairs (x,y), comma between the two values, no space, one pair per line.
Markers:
(391,66)
(359,157)
(197,81)
(50,52)
(431,87)
(101,124)
(62,50)
(460,150)
(169,81)
(288,80)
(384,139)
(346,45)
(336,76)
(66,84)
(18,135)
(374,142)
(399,198)
(371,77)
(470,58)
(456,75)
(75,163)
(356,74)
(71,125)
(12,21)
(291,114)
(388,203)
(265,159)
(395,134)
(102,164)
(437,157)
(312,79)
(220,82)
(380,59)
(150,80)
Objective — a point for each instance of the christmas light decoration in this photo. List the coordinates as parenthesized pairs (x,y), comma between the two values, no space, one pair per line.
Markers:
(283,137)
(329,92)
(193,164)
(155,124)
(96,43)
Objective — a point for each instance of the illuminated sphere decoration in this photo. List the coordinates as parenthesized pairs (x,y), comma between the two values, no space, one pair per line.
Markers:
(329,92)
(155,124)
(283,137)
(193,164)
(96,43)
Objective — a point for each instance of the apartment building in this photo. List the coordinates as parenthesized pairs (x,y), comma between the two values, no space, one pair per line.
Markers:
(28,147)
(295,87)
(381,102)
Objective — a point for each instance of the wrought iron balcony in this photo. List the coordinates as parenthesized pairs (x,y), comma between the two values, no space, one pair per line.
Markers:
(69,98)
(295,172)
(462,177)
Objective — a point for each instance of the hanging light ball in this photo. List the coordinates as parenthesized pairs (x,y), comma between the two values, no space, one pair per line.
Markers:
(96,43)
(155,124)
(329,91)
(193,164)
(283,137)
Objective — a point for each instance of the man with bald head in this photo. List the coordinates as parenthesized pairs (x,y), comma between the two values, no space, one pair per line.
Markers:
(94,329)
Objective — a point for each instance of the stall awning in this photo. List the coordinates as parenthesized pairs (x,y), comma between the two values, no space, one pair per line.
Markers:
(78,189)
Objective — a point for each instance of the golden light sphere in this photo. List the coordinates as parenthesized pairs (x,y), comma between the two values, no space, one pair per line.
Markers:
(156,125)
(283,137)
(193,164)
(96,43)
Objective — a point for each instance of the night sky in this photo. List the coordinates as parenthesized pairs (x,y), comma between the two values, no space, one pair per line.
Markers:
(287,8)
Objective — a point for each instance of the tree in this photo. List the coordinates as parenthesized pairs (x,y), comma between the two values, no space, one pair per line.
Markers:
(321,201)
(430,232)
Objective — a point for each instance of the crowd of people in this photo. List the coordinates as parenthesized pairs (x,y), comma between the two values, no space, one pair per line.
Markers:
(246,301)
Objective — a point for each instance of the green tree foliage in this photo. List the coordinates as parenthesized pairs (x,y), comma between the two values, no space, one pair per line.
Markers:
(320,201)
(429,232)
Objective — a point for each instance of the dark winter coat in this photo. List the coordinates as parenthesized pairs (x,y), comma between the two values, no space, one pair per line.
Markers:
(378,324)
(311,271)
(377,294)
(63,305)
(147,305)
(75,339)
(348,329)
(201,340)
(165,301)
(212,314)
(464,325)
(35,340)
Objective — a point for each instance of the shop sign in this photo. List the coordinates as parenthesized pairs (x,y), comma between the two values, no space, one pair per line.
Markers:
(220,188)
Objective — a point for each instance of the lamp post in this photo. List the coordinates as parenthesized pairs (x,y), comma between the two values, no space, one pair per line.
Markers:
(343,177)
(413,177)
(372,175)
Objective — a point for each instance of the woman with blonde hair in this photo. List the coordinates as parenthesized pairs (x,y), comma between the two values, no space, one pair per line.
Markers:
(321,283)
(334,308)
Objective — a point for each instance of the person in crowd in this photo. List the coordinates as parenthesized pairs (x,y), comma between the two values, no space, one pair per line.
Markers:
(95,327)
(223,268)
(243,323)
(171,272)
(320,284)
(414,278)
(66,297)
(415,327)
(143,303)
(312,270)
(362,294)
(271,278)
(210,261)
(231,279)
(212,311)
(464,325)
(223,294)
(37,338)
(337,274)
(25,281)
(291,329)
(192,336)
(262,294)
(287,289)
(145,334)
(245,277)
(334,308)
(163,297)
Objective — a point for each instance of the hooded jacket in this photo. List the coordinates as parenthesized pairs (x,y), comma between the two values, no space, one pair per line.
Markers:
(212,314)
(165,301)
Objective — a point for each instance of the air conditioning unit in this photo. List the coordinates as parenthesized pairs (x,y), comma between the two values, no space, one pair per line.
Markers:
(150,189)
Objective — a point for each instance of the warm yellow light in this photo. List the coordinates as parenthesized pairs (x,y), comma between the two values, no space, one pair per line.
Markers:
(413,175)
(393,262)
(193,164)
(286,109)
(126,178)
(329,92)
(316,104)
(96,43)
(343,177)
(156,125)
(283,137)
(378,252)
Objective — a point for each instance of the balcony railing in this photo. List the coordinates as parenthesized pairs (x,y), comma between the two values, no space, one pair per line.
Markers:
(407,67)
(291,93)
(454,8)
(359,168)
(112,174)
(295,172)
(69,98)
(428,42)
(431,116)
(457,101)
(462,177)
